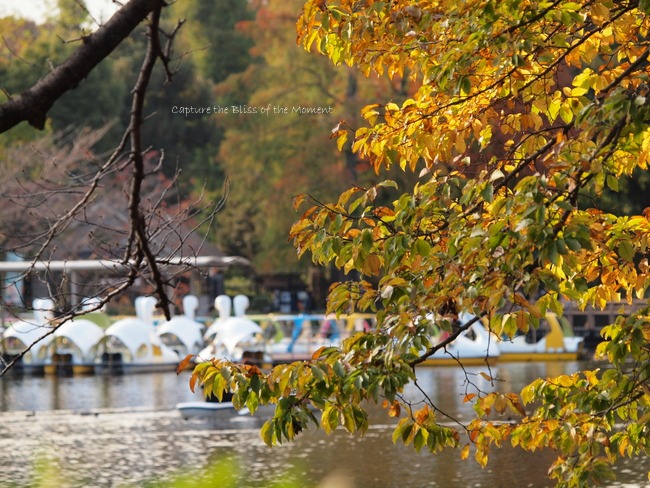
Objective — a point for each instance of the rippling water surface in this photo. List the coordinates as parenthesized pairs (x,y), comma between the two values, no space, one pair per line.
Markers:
(124,431)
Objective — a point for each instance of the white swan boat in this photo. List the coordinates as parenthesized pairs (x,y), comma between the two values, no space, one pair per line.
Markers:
(71,350)
(131,345)
(29,337)
(235,338)
(183,333)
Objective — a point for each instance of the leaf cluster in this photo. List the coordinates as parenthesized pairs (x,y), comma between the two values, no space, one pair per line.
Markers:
(524,109)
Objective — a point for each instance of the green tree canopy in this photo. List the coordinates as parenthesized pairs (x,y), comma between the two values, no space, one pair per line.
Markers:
(216,44)
(523,108)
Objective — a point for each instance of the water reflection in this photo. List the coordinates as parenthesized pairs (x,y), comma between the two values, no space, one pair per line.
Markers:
(157,391)
(123,431)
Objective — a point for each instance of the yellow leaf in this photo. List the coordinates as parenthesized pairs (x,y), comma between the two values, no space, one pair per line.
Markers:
(464,453)
(481,457)
(599,14)
(341,140)
(460,145)
(554,108)
(566,113)
(392,107)
(486,376)
(579,91)
(564,380)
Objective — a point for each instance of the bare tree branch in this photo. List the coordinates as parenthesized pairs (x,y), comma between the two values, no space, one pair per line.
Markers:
(149,239)
(33,104)
(138,224)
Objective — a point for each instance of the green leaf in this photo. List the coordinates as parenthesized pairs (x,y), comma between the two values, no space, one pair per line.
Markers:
(252,402)
(318,373)
(339,369)
(267,433)
(572,244)
(465,85)
(422,247)
(487,192)
(626,250)
(420,439)
(612,182)
(348,419)
(644,5)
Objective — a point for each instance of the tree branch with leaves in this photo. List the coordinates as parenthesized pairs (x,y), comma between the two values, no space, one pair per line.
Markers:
(526,113)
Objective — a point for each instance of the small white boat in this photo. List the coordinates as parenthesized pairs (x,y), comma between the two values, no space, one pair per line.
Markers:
(131,345)
(209,410)
(34,334)
(547,343)
(473,346)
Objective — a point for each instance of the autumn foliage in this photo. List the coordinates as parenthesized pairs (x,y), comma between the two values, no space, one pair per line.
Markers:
(526,112)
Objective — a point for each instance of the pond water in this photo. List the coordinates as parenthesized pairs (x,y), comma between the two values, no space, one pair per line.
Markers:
(124,431)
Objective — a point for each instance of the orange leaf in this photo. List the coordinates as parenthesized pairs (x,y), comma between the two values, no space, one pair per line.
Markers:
(371,265)
(422,415)
(522,322)
(395,409)
(318,352)
(251,370)
(469,397)
(473,435)
(383,212)
(184,363)
(298,199)
(520,300)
